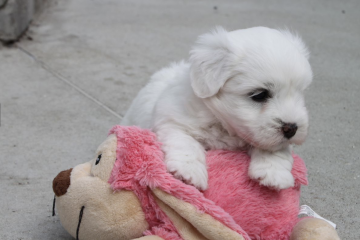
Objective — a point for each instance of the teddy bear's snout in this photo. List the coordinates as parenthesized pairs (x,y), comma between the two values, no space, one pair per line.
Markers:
(62,182)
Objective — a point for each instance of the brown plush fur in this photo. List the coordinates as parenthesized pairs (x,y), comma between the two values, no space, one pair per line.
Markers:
(61,182)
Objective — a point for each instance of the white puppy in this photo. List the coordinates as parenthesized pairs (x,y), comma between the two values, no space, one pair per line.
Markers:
(240,90)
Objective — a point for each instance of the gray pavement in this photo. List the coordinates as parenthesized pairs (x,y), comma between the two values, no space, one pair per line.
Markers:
(63,90)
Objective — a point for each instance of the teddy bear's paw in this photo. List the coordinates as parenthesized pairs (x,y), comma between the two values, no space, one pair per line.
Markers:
(191,172)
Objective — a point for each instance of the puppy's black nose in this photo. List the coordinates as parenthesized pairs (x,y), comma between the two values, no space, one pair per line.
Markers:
(289,129)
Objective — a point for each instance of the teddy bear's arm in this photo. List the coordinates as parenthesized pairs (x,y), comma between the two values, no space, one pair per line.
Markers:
(313,229)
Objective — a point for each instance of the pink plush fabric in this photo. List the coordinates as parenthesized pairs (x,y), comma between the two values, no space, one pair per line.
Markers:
(262,213)
(139,167)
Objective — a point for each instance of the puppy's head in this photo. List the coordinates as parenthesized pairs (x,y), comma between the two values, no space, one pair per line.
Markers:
(253,81)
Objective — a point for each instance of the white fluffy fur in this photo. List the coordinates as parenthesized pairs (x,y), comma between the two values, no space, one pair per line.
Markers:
(205,104)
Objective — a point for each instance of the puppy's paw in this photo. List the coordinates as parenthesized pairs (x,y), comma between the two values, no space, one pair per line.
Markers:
(192,172)
(272,169)
(278,178)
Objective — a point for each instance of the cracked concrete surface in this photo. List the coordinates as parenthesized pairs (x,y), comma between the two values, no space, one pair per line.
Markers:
(63,90)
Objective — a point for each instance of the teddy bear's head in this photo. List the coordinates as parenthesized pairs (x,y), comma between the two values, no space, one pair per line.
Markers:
(87,206)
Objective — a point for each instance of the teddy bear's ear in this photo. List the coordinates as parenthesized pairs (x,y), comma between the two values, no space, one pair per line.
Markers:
(104,159)
(194,224)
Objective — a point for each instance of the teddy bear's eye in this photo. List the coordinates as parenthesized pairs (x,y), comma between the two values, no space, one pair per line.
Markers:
(98,160)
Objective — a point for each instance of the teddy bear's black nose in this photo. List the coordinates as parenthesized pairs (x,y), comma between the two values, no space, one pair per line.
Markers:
(62,182)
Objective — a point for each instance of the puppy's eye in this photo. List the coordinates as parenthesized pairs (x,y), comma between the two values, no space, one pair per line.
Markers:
(98,160)
(260,96)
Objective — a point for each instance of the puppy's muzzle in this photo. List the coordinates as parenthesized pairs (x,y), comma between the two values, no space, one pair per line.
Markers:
(289,129)
(61,182)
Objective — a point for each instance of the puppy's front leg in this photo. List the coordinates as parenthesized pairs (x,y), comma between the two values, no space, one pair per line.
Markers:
(184,156)
(272,169)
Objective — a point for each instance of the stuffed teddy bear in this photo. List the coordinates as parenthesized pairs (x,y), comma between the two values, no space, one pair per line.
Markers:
(126,193)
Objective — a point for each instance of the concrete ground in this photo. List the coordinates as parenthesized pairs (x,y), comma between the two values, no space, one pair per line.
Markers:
(72,77)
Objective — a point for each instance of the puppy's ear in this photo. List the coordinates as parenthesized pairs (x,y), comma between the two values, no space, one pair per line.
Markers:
(297,41)
(210,63)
